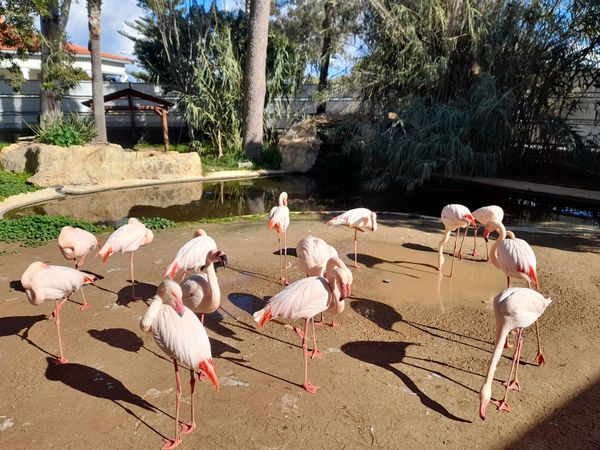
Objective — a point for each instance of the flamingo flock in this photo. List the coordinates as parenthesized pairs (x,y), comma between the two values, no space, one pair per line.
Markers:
(172,315)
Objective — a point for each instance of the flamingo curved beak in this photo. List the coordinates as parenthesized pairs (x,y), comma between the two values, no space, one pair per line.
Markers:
(345,291)
(223,258)
(482,409)
(179,308)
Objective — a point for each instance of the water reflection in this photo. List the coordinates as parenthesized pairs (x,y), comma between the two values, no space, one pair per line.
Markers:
(197,201)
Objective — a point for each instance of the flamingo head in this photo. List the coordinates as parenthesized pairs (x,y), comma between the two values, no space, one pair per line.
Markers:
(283,199)
(199,232)
(171,293)
(484,398)
(469,218)
(344,278)
(486,233)
(216,256)
(373,221)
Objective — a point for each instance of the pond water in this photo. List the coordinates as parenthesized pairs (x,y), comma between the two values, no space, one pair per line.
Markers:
(204,200)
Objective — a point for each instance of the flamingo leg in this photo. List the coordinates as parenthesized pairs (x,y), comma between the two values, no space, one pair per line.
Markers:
(487,251)
(460,255)
(85,305)
(172,443)
(280,258)
(454,252)
(355,248)
(322,322)
(308,386)
(513,383)
(56,313)
(285,280)
(188,428)
(539,357)
(443,241)
(133,296)
(474,252)
(316,352)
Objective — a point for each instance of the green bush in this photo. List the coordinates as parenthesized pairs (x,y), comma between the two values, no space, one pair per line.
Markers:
(156,223)
(14,183)
(271,157)
(36,230)
(67,131)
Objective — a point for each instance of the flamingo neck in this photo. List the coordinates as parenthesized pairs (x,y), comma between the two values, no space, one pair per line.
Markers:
(486,389)
(501,236)
(213,283)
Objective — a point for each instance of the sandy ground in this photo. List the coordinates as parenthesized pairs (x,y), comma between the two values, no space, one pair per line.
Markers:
(403,371)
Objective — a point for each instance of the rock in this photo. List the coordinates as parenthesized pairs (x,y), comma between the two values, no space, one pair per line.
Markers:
(95,163)
(299,146)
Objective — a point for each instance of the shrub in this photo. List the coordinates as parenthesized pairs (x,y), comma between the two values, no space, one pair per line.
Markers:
(14,183)
(67,131)
(156,223)
(271,157)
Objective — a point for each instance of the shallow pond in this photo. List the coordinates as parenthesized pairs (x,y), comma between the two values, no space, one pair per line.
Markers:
(207,200)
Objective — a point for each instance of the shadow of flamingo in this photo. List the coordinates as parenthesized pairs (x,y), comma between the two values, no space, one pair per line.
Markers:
(12,326)
(143,290)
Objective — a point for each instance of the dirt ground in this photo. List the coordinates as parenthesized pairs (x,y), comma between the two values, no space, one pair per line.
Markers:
(403,371)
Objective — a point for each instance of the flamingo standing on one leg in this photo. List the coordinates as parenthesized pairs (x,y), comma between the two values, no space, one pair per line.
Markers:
(192,254)
(513,308)
(483,216)
(179,333)
(358,219)
(77,243)
(454,217)
(303,299)
(43,282)
(279,218)
(201,293)
(127,238)
(516,259)
(313,254)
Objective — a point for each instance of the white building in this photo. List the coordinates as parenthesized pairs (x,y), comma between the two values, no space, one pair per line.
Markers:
(113,66)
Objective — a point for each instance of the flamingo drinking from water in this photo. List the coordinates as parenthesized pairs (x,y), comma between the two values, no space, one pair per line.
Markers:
(483,216)
(279,218)
(127,238)
(454,217)
(192,254)
(303,299)
(179,333)
(44,282)
(514,308)
(358,219)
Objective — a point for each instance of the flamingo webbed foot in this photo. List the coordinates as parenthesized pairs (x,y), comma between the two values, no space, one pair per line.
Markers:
(84,306)
(316,353)
(539,359)
(502,405)
(309,387)
(474,253)
(135,298)
(512,385)
(60,361)
(202,375)
(188,428)
(171,443)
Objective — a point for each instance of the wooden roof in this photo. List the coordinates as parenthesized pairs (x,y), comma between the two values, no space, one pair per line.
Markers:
(123,93)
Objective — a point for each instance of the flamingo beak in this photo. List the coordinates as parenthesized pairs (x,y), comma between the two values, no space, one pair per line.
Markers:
(486,233)
(179,308)
(470,218)
(224,260)
(482,409)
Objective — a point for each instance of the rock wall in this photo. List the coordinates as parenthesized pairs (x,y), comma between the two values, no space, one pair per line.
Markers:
(94,164)
(299,146)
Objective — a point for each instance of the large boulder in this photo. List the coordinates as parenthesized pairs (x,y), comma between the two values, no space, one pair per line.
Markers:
(300,145)
(96,163)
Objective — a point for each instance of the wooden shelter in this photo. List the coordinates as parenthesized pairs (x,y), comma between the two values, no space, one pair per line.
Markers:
(161,108)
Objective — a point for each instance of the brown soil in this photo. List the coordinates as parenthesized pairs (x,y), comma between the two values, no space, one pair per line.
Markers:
(403,371)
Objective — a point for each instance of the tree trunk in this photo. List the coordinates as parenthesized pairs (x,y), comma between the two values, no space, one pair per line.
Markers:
(255,83)
(328,29)
(52,27)
(94,14)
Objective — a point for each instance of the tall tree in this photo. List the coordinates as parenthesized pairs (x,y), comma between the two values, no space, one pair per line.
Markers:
(53,22)
(94,15)
(255,79)
(327,49)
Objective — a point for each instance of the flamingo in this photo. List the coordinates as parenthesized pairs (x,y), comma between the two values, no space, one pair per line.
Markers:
(358,219)
(516,259)
(513,308)
(483,216)
(303,299)
(201,292)
(313,254)
(44,282)
(279,218)
(179,333)
(127,238)
(454,217)
(77,243)
(192,254)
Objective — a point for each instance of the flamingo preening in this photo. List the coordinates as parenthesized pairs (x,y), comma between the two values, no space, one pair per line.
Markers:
(483,216)
(279,218)
(357,218)
(454,217)
(192,254)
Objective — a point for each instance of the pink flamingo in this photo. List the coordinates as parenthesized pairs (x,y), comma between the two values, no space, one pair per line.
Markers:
(483,216)
(303,299)
(514,308)
(77,243)
(313,254)
(127,238)
(192,254)
(516,259)
(279,218)
(201,293)
(454,217)
(43,282)
(357,218)
(179,333)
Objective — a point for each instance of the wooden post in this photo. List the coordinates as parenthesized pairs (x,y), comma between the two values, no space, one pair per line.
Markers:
(165,128)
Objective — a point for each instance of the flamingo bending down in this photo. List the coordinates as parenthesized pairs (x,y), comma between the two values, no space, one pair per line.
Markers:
(358,219)
(179,333)
(192,254)
(279,218)
(77,243)
(127,238)
(43,282)
(313,254)
(516,259)
(513,308)
(201,292)
(303,299)
(454,217)
(483,216)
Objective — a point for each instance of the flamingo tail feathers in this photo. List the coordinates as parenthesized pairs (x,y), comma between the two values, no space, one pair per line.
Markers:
(172,270)
(88,278)
(106,254)
(208,367)
(534,277)
(263,316)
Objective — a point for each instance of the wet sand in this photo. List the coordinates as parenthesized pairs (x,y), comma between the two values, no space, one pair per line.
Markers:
(403,371)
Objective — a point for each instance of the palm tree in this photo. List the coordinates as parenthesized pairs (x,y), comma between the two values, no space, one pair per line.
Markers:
(94,14)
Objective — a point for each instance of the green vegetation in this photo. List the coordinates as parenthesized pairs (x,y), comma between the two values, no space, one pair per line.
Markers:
(157,223)
(14,183)
(36,230)
(179,148)
(66,131)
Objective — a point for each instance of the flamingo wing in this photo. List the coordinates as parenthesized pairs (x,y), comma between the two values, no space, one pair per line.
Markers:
(516,256)
(279,218)
(194,289)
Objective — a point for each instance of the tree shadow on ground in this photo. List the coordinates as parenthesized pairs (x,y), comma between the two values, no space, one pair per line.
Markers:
(385,354)
(143,290)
